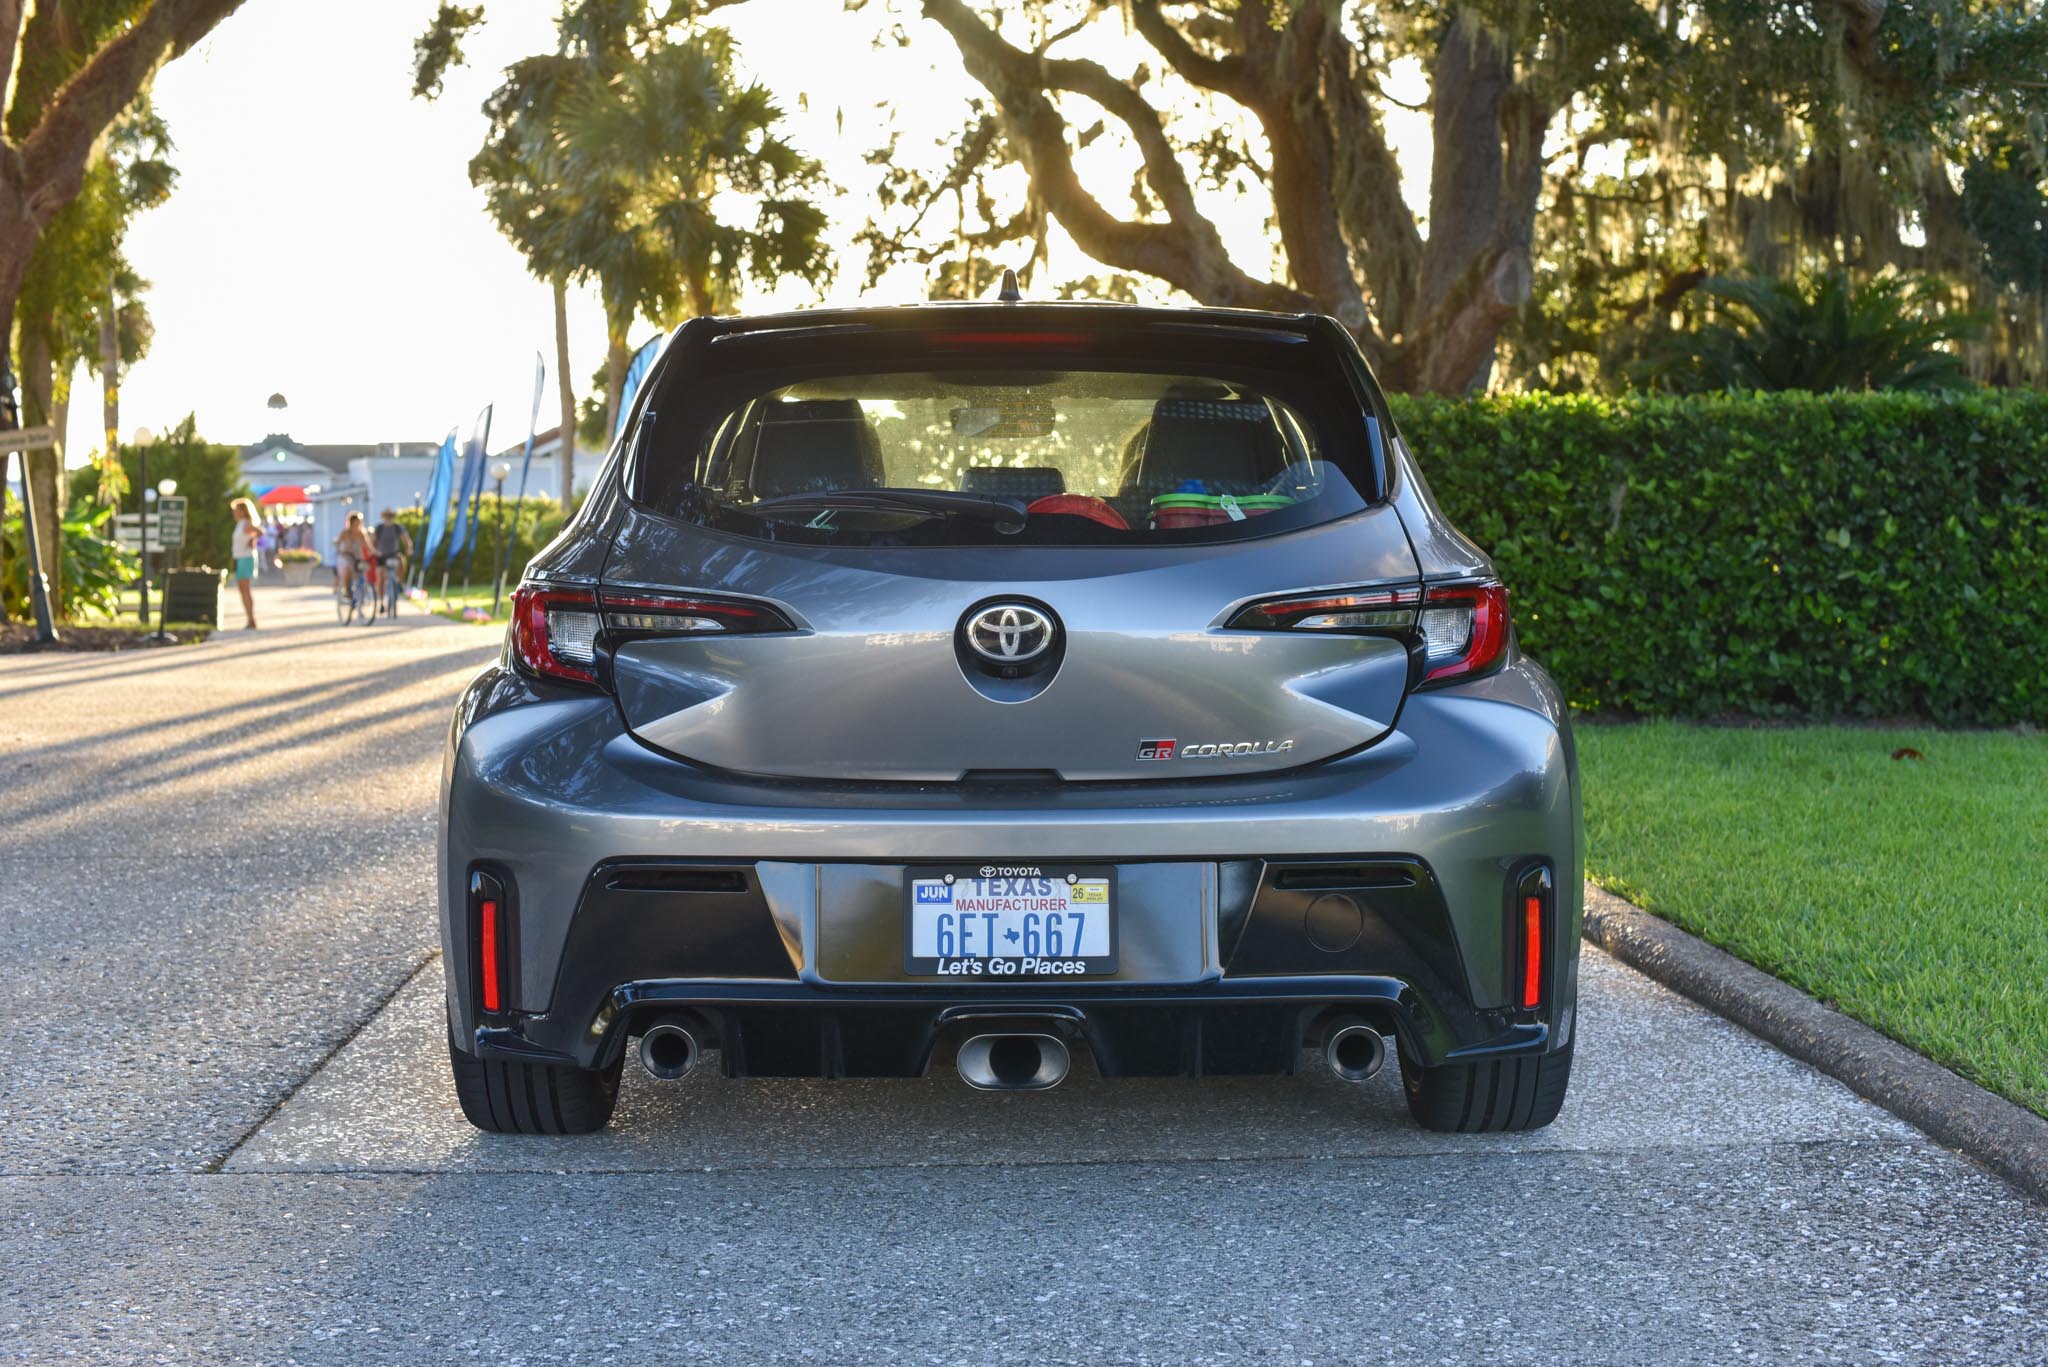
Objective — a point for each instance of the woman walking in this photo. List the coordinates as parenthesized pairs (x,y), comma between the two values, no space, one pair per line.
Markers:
(248,536)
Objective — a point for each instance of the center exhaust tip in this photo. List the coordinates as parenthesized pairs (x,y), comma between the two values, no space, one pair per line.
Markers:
(669,1049)
(1014,1063)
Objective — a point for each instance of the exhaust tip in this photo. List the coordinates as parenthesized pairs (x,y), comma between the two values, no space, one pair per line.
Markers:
(1354,1050)
(669,1050)
(1014,1063)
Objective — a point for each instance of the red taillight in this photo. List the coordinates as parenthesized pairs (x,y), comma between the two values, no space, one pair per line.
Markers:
(1464,629)
(661,614)
(554,632)
(489,967)
(1344,611)
(1532,952)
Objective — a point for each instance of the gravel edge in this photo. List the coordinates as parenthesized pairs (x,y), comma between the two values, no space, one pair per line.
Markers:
(2006,1138)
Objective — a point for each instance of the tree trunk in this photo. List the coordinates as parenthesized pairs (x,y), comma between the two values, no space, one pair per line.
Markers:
(17,238)
(616,359)
(565,455)
(45,467)
(110,373)
(1470,77)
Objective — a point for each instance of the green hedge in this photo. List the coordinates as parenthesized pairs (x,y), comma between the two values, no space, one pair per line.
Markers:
(1821,555)
(530,523)
(208,475)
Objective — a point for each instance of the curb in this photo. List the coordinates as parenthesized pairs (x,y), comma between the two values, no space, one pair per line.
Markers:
(2004,1137)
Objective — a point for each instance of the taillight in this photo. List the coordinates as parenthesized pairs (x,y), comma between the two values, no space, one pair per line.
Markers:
(1464,629)
(666,615)
(1359,610)
(556,632)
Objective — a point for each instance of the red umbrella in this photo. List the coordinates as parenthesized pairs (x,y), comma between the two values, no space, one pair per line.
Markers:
(285,493)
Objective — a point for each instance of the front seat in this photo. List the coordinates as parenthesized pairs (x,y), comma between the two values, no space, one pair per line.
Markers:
(815,446)
(1225,446)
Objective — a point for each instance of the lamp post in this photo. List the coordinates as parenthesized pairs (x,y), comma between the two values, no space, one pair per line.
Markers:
(499,473)
(164,488)
(142,439)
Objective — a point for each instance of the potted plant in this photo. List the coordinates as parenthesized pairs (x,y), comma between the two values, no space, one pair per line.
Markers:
(297,564)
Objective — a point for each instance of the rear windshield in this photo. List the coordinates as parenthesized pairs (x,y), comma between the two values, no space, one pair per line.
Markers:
(985,455)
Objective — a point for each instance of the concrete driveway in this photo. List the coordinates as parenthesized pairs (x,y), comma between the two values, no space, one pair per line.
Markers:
(229,1134)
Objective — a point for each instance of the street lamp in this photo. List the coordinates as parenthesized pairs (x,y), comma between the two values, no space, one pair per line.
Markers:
(142,439)
(500,472)
(165,487)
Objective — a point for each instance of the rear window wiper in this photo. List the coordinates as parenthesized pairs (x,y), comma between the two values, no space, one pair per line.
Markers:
(1005,514)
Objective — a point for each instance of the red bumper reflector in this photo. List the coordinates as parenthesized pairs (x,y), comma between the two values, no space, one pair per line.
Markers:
(1532,951)
(487,946)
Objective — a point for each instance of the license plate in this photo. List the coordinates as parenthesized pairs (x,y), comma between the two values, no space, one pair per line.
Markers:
(1010,921)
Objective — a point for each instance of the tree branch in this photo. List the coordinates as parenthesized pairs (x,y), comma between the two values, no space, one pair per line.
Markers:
(1284,69)
(1186,251)
(55,155)
(10,45)
(1224,75)
(1365,182)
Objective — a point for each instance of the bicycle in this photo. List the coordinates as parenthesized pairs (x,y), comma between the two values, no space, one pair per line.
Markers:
(352,599)
(388,585)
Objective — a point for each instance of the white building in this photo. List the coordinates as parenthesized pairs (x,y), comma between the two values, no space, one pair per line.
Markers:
(342,479)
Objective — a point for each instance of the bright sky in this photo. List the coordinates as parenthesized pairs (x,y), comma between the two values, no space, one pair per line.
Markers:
(324,241)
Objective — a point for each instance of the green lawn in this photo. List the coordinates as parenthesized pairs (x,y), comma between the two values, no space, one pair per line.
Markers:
(460,596)
(1912,894)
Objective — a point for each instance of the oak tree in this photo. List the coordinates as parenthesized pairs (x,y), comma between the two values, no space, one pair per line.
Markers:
(1535,109)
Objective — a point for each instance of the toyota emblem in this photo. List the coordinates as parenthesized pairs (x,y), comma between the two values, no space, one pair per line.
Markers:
(1009,633)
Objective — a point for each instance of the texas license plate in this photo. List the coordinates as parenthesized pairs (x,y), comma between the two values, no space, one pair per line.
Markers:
(1009,921)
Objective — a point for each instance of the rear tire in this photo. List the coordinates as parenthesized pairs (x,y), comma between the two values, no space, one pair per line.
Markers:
(1520,1092)
(504,1096)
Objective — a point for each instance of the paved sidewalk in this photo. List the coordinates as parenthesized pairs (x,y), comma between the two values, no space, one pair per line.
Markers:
(230,1135)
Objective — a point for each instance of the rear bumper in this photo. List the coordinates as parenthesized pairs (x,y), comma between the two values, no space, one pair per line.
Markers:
(1231,1027)
(550,792)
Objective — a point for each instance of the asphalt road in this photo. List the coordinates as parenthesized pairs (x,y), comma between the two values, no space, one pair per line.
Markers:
(229,1134)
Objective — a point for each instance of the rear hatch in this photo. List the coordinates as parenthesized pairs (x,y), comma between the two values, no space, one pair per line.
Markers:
(1039,553)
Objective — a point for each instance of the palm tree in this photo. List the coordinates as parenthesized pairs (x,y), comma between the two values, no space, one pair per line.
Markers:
(659,150)
(612,159)
(1823,334)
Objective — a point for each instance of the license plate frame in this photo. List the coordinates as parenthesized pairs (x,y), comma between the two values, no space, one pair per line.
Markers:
(1018,966)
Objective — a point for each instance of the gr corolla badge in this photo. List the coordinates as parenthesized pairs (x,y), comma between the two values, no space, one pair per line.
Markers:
(988,684)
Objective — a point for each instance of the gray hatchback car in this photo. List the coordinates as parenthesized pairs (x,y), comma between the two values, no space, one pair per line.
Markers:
(992,683)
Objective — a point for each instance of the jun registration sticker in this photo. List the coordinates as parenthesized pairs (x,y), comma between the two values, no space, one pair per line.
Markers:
(1003,922)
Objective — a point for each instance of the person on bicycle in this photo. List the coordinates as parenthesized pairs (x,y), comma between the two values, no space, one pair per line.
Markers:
(393,545)
(352,551)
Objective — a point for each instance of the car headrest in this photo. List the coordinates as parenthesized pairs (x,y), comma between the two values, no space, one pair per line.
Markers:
(815,445)
(1229,442)
(1013,481)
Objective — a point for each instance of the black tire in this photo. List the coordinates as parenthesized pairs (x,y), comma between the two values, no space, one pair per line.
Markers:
(504,1097)
(1522,1092)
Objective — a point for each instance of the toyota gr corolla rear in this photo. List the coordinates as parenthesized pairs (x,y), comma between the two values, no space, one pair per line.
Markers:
(1002,682)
